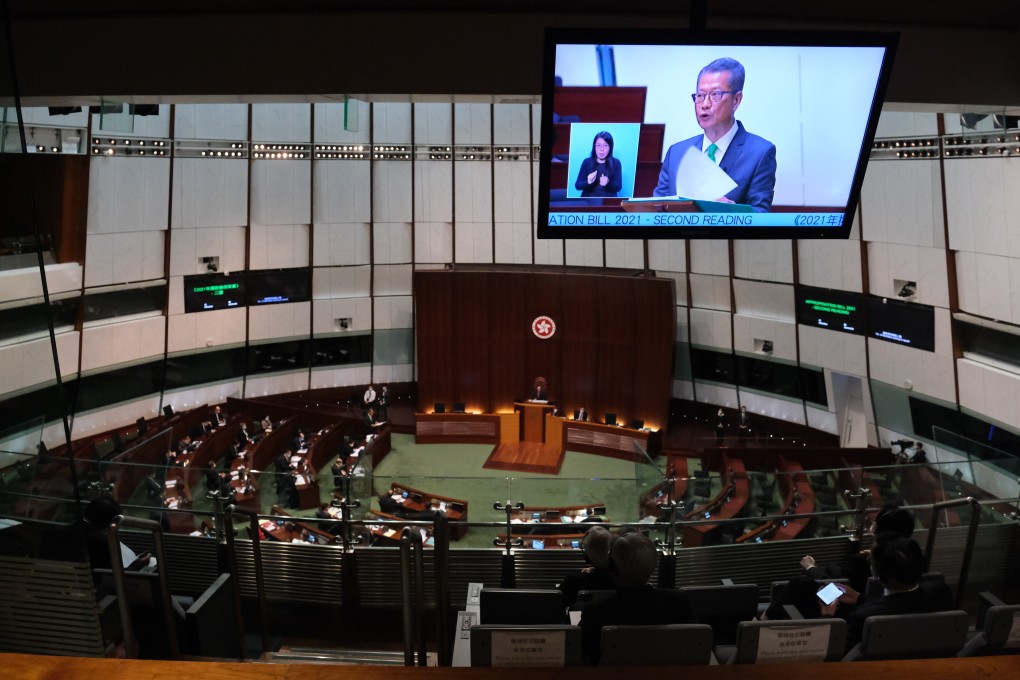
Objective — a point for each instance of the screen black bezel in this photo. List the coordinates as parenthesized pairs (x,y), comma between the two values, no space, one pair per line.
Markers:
(614,36)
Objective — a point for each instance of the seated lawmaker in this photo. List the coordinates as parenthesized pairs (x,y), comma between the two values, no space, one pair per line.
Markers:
(632,560)
(898,564)
(595,547)
(243,438)
(891,521)
(218,419)
(390,506)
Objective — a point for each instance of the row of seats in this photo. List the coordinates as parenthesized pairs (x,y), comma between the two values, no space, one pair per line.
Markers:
(904,636)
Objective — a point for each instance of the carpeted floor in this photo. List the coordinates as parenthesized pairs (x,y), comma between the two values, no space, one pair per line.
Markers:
(455,470)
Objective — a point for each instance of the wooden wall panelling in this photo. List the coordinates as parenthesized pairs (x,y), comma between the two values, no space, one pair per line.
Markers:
(471,340)
(579,324)
(543,295)
(508,377)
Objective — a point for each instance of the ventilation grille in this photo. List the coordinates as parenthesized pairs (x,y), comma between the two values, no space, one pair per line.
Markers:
(48,607)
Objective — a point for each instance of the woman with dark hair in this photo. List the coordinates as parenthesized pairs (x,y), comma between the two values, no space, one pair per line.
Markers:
(601,174)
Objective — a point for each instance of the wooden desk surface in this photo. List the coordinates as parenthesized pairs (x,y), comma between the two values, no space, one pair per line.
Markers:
(463,428)
(431,500)
(35,667)
(555,515)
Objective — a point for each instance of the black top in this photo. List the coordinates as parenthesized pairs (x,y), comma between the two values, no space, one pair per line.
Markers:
(643,606)
(910,602)
(612,169)
(596,579)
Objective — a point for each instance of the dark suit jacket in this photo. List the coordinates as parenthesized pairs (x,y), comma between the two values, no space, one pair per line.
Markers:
(572,584)
(750,160)
(911,602)
(390,506)
(153,487)
(644,606)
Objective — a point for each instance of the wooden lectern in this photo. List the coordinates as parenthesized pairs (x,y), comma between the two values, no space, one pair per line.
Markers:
(533,426)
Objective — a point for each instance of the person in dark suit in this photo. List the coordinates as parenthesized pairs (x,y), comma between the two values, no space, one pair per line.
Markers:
(539,393)
(72,542)
(344,451)
(632,559)
(153,487)
(225,488)
(184,445)
(212,477)
(743,424)
(282,462)
(898,564)
(243,438)
(600,174)
(339,473)
(890,522)
(300,441)
(390,506)
(332,527)
(218,418)
(595,547)
(287,489)
(382,404)
(582,414)
(748,159)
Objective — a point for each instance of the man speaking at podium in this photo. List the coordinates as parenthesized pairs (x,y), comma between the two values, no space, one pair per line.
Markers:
(748,159)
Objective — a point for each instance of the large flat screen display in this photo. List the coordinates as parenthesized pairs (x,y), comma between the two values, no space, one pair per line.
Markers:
(656,134)
(278,286)
(903,323)
(206,292)
(834,310)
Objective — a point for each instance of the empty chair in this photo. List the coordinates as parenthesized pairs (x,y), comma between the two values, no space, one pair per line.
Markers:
(997,628)
(761,641)
(911,636)
(678,644)
(492,645)
(510,606)
(723,607)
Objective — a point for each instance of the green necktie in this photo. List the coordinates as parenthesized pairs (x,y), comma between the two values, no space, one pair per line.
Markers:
(712,148)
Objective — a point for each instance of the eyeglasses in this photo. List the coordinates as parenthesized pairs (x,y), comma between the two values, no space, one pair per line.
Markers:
(714,96)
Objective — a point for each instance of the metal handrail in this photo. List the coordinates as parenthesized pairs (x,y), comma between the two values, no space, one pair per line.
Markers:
(968,551)
(235,575)
(441,566)
(414,628)
(117,564)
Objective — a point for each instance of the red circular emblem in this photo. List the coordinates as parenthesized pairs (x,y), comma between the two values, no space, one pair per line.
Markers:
(543,327)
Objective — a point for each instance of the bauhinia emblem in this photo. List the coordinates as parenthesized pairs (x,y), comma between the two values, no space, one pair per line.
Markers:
(543,327)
